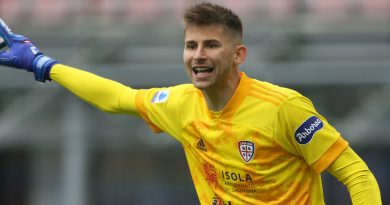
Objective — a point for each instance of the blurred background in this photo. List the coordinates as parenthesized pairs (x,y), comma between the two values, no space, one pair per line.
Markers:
(56,149)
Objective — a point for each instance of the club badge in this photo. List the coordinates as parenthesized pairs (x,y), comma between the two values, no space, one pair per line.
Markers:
(247,150)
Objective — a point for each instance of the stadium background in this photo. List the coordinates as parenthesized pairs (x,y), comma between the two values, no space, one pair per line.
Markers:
(56,149)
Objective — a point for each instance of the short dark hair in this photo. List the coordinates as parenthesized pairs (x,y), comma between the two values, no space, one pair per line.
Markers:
(206,14)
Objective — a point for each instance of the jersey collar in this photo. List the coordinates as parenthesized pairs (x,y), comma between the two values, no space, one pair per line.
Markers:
(235,101)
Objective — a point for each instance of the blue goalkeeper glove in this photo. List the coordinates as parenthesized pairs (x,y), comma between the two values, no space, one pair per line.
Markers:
(23,54)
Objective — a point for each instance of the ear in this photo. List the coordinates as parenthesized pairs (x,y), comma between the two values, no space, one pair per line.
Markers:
(240,55)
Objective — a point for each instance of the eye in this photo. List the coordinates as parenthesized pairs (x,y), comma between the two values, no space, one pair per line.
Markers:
(212,45)
(190,46)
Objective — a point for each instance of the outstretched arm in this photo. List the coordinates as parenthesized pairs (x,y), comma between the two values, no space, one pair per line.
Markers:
(105,94)
(351,170)
(19,52)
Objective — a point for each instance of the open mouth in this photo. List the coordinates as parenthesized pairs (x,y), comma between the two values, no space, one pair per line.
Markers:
(202,69)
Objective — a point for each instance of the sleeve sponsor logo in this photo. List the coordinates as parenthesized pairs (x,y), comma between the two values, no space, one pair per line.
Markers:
(161,96)
(306,131)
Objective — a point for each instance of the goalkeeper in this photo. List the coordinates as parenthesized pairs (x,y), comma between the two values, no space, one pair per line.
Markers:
(246,141)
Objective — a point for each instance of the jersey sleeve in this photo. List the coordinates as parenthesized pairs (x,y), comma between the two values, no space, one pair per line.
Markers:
(303,132)
(160,108)
(107,95)
(353,172)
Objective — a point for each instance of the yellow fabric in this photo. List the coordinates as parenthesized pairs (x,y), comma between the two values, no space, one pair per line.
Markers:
(107,95)
(351,170)
(327,140)
(261,117)
(332,153)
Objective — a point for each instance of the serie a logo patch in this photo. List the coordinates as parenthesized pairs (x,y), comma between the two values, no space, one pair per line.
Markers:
(306,131)
(161,96)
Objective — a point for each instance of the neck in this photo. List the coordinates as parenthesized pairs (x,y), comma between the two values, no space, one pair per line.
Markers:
(217,98)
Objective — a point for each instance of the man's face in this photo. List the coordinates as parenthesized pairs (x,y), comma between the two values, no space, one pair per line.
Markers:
(208,55)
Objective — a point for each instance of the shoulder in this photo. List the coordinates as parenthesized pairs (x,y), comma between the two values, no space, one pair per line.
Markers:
(176,90)
(170,94)
(271,93)
(184,90)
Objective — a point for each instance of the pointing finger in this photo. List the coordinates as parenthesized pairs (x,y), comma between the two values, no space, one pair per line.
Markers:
(5,33)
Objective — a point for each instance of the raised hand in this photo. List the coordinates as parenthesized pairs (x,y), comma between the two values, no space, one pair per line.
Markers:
(21,53)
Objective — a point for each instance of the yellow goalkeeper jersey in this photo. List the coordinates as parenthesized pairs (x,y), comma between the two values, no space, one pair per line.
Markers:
(267,146)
